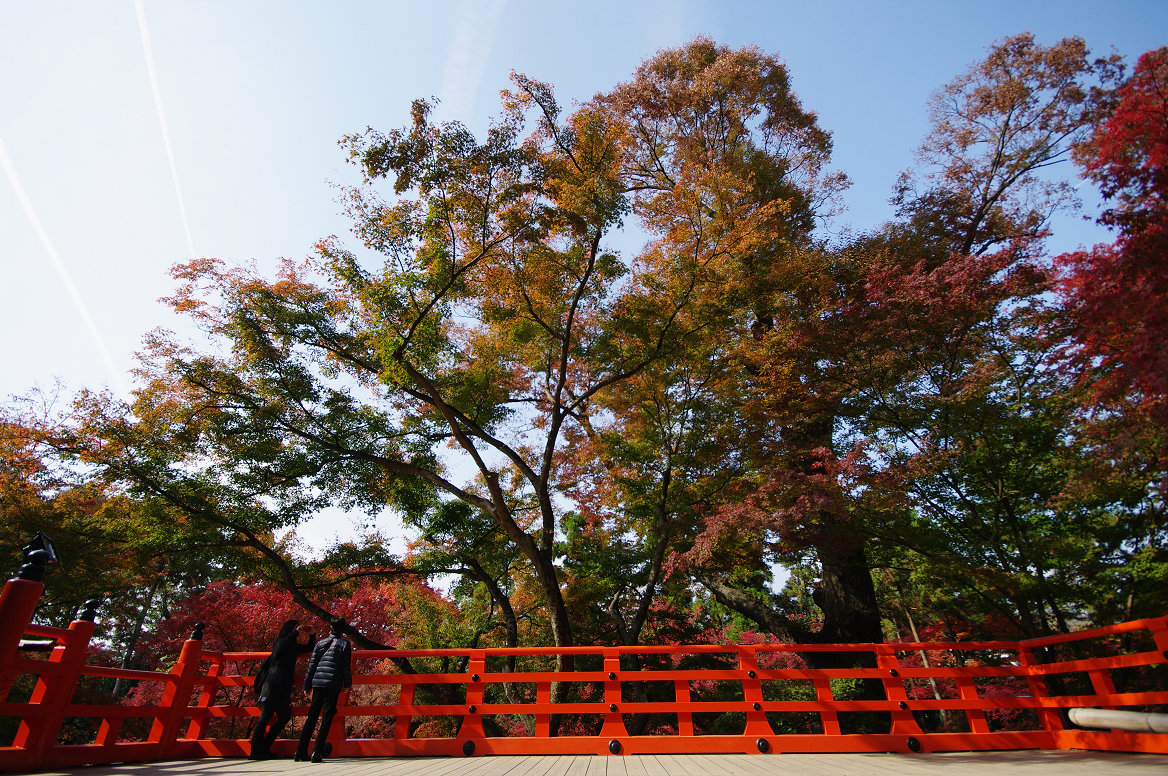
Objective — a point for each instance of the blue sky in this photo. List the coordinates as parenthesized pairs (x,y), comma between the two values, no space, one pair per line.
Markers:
(99,196)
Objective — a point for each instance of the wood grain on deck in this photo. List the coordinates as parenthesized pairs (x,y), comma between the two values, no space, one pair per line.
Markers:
(1018,763)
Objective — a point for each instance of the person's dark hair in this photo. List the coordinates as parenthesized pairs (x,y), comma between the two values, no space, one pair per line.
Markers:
(336,624)
(287,631)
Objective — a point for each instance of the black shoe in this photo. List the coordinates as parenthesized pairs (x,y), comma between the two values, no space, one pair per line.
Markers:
(260,756)
(300,757)
(316,758)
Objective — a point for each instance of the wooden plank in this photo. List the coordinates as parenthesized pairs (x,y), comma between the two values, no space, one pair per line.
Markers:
(552,765)
(1004,763)
(597,766)
(681,764)
(636,765)
(616,766)
(717,765)
(577,765)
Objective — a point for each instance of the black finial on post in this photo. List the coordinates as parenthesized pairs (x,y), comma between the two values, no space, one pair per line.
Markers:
(41,542)
(34,565)
(197,633)
(37,553)
(89,613)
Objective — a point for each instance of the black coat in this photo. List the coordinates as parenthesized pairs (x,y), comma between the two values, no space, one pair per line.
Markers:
(273,681)
(330,666)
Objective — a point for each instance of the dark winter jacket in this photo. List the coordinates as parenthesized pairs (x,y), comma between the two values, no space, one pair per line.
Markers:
(330,666)
(273,681)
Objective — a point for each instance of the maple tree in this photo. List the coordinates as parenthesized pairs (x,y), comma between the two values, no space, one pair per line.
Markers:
(883,348)
(494,320)
(101,540)
(978,425)
(1114,295)
(1117,292)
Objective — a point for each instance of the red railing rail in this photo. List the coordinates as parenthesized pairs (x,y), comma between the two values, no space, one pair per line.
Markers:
(702,698)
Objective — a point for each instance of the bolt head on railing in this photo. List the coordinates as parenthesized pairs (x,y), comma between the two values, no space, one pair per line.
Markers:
(614,746)
(903,705)
(474,677)
(197,633)
(914,744)
(89,613)
(893,672)
(757,706)
(472,709)
(763,745)
(611,676)
(468,748)
(752,674)
(612,707)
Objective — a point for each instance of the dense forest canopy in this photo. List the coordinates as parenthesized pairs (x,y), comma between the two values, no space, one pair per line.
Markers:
(935,424)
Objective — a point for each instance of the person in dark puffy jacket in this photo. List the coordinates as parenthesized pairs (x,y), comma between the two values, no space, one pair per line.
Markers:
(273,687)
(330,670)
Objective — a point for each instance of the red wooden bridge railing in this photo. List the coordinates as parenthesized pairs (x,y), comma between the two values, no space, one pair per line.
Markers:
(701,698)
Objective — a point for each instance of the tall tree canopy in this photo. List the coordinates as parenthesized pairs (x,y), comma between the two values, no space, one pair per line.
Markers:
(482,321)
(622,446)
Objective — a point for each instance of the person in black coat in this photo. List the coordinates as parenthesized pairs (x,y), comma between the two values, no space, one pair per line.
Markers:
(273,687)
(329,671)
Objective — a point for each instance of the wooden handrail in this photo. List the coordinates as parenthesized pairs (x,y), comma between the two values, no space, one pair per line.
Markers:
(682,693)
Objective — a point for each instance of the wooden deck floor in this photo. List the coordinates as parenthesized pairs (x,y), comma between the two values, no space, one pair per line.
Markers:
(1018,763)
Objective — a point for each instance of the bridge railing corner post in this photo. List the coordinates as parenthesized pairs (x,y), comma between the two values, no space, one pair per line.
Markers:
(177,695)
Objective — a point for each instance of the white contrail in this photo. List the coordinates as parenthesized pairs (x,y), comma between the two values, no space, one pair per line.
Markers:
(182,208)
(62,272)
(474,33)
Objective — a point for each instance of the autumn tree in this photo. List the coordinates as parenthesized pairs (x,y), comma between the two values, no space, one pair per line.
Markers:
(883,345)
(103,541)
(1114,295)
(731,170)
(1116,292)
(445,361)
(978,424)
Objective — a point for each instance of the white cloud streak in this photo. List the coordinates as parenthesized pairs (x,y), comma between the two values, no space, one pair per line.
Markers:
(476,22)
(182,208)
(62,272)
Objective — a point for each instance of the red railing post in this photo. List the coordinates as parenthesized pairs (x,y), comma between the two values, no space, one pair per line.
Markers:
(337,733)
(1049,717)
(614,721)
(472,723)
(684,718)
(401,725)
(975,717)
(903,722)
(199,724)
(54,690)
(1159,629)
(828,716)
(756,721)
(177,695)
(543,721)
(18,601)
